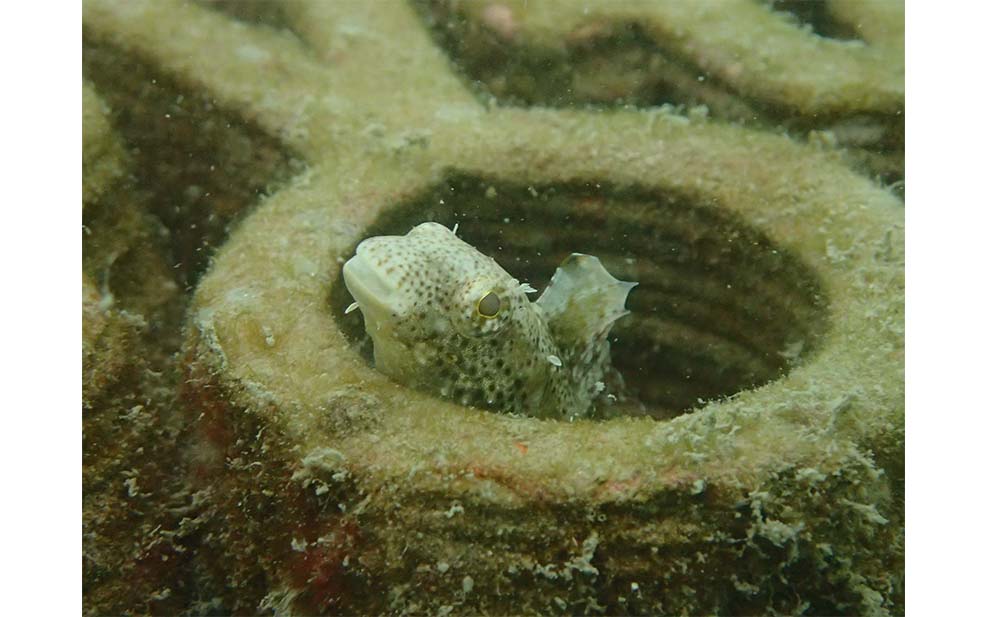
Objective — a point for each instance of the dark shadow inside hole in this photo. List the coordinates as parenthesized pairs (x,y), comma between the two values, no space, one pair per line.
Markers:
(719,307)
(816,14)
(196,167)
(257,12)
(620,64)
(606,63)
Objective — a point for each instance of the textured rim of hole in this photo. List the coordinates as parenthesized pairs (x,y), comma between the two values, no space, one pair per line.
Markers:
(307,390)
(719,309)
(264,340)
(818,16)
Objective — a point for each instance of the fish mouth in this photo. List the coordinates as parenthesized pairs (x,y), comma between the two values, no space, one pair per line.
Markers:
(376,296)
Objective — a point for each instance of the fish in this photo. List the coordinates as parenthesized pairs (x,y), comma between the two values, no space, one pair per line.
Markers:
(447,319)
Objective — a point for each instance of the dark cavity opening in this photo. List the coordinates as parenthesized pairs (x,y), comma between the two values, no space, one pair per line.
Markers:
(197,168)
(607,65)
(256,12)
(815,14)
(719,308)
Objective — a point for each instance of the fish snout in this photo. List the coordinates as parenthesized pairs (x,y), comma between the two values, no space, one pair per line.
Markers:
(375,292)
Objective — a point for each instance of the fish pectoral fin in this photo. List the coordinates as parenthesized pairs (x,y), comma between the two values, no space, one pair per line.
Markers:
(583,300)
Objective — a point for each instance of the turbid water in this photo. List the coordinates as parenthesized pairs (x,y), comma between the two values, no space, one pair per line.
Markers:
(244,451)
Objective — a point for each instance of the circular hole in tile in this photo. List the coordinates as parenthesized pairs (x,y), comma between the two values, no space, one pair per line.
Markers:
(719,307)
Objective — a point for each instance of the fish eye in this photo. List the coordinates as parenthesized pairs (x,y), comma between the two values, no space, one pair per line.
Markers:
(489,306)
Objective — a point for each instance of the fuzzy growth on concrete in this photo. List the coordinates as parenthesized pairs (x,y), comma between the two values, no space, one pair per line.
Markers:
(779,488)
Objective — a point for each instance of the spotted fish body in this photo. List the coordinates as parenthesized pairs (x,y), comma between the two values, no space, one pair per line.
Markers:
(446,318)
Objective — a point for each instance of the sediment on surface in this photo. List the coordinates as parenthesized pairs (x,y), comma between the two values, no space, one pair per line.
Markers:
(614,58)
(338,536)
(159,190)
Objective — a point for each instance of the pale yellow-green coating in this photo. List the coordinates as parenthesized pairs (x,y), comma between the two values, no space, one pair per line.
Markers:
(102,155)
(340,490)
(743,43)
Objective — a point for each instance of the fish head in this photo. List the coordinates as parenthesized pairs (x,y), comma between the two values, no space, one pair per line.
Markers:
(437,310)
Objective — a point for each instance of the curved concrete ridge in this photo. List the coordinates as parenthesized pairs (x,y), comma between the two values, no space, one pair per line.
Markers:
(312,94)
(103,159)
(879,22)
(811,207)
(264,336)
(346,36)
(108,335)
(266,75)
(755,50)
(737,60)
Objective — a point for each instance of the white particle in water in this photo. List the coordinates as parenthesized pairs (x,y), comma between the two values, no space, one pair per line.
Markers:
(351,308)
(554,360)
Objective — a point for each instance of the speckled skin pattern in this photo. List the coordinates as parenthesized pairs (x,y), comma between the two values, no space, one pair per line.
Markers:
(422,296)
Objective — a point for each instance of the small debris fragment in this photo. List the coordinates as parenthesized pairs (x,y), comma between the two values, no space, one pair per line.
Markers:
(868,511)
(132,488)
(526,288)
(456,226)
(554,360)
(105,302)
(467,584)
(353,306)
(698,487)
